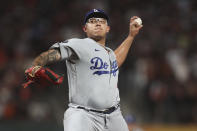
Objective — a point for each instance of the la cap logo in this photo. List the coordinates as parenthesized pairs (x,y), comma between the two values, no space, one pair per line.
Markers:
(95,10)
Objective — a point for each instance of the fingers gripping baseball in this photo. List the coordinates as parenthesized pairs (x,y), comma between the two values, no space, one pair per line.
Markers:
(134,26)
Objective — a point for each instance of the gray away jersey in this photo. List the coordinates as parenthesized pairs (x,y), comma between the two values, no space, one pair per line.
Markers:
(93,77)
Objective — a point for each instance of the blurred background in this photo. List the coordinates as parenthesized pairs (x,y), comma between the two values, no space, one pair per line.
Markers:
(157,83)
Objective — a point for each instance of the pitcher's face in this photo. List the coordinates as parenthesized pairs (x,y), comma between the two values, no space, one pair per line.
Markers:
(96,28)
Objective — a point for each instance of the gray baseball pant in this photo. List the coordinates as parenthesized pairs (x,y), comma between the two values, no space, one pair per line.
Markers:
(81,120)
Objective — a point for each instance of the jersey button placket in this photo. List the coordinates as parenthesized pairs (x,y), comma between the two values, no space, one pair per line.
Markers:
(110,70)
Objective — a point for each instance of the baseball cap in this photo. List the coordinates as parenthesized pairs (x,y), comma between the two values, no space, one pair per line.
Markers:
(97,13)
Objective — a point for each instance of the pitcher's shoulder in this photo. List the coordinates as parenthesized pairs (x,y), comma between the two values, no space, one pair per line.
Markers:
(75,40)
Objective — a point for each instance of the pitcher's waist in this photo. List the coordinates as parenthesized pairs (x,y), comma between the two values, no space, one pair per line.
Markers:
(104,111)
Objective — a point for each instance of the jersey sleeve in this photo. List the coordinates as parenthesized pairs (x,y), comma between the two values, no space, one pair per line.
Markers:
(77,46)
(66,52)
(72,49)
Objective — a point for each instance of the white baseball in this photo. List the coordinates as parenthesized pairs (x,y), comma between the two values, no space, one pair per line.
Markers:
(139,21)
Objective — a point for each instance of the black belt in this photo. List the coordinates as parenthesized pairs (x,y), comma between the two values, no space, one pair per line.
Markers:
(106,111)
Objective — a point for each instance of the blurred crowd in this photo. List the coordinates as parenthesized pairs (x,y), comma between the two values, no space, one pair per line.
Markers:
(158,82)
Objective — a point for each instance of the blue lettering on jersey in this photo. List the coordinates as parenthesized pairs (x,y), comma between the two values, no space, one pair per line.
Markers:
(102,67)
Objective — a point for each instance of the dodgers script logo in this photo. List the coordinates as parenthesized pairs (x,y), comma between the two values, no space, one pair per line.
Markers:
(102,67)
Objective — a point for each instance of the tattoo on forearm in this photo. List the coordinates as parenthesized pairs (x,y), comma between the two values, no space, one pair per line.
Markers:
(49,56)
(53,56)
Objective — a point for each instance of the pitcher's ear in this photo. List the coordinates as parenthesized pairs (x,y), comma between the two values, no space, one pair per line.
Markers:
(108,29)
(84,28)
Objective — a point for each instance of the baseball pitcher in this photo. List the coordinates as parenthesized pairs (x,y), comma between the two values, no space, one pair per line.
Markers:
(92,70)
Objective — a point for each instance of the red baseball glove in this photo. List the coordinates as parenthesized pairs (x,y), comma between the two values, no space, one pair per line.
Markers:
(42,76)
